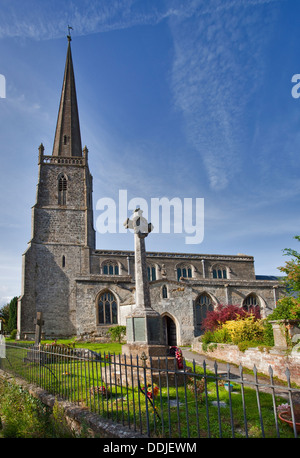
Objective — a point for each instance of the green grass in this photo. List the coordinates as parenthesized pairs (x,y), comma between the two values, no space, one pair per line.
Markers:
(186,418)
(23,416)
(111,347)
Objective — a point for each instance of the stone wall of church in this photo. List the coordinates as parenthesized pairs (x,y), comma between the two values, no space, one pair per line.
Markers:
(47,194)
(59,226)
(88,292)
(50,288)
(166,265)
(26,302)
(70,223)
(59,252)
(179,304)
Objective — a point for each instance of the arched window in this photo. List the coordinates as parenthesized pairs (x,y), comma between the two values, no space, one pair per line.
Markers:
(62,189)
(220,272)
(110,268)
(184,272)
(164,292)
(107,309)
(251,304)
(151,270)
(203,305)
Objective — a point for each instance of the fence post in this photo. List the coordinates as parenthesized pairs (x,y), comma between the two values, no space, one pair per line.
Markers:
(144,363)
(258,401)
(288,375)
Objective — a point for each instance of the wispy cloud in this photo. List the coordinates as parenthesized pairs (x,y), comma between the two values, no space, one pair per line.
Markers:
(218,65)
(44,20)
(218,58)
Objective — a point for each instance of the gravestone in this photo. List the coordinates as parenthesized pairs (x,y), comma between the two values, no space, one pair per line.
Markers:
(34,354)
(38,328)
(144,325)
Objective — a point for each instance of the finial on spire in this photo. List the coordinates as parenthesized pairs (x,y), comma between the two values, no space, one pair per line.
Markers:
(69,33)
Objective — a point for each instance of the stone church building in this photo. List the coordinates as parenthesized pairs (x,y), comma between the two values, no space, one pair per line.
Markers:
(82,290)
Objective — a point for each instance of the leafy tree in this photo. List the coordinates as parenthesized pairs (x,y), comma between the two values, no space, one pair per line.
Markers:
(292,270)
(8,315)
(12,320)
(4,316)
(288,308)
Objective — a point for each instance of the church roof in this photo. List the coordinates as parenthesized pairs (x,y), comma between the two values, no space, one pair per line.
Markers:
(67,141)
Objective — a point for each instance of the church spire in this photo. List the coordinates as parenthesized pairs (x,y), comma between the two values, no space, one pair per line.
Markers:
(67,141)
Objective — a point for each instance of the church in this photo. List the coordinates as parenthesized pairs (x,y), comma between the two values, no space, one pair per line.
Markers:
(81,290)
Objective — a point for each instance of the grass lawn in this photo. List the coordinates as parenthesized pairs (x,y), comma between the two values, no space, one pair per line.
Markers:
(111,347)
(176,411)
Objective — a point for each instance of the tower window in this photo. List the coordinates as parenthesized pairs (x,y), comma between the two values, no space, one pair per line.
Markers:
(63,261)
(62,189)
(164,292)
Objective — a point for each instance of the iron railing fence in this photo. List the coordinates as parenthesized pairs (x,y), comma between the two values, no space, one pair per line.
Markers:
(157,399)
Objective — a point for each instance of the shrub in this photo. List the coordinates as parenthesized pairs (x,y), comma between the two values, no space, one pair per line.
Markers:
(223,313)
(22,414)
(244,345)
(207,337)
(117,333)
(246,329)
(13,334)
(288,308)
(220,335)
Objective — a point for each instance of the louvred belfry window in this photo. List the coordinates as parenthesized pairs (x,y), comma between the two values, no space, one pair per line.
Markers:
(62,190)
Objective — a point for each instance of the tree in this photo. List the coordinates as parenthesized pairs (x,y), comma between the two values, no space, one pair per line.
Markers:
(292,270)
(12,320)
(8,315)
(4,316)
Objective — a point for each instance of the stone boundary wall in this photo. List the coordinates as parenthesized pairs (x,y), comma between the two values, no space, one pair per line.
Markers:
(262,359)
(76,416)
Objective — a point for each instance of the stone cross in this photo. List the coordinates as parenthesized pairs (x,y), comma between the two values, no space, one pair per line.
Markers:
(141,229)
(143,325)
(139,224)
(38,328)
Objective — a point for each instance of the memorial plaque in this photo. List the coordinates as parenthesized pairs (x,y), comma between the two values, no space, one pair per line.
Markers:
(129,330)
(139,329)
(154,329)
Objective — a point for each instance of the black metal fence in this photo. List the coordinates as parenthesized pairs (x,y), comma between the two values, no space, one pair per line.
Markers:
(152,396)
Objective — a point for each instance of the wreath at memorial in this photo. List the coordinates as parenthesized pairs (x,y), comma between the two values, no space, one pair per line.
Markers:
(175,351)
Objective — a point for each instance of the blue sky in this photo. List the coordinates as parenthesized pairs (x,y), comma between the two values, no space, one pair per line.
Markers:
(187,99)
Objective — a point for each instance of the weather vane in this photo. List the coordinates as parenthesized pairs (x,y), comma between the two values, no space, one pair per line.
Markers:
(69,33)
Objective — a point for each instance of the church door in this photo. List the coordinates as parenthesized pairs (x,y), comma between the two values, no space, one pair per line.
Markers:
(170,331)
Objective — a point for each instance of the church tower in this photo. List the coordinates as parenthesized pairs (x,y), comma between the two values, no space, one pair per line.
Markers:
(62,224)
